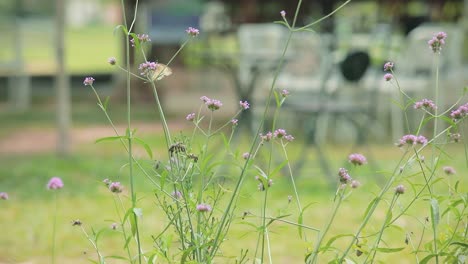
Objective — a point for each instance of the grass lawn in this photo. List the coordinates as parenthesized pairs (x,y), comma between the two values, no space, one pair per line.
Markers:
(26,219)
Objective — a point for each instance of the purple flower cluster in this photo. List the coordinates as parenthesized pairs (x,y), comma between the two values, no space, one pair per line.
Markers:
(88,81)
(193,32)
(3,195)
(344,175)
(176,194)
(437,41)
(460,112)
(261,186)
(449,170)
(244,105)
(203,207)
(284,93)
(246,155)
(55,183)
(234,122)
(412,140)
(212,104)
(267,137)
(283,13)
(388,66)
(388,77)
(142,38)
(425,103)
(148,68)
(112,61)
(357,159)
(116,187)
(400,189)
(190,117)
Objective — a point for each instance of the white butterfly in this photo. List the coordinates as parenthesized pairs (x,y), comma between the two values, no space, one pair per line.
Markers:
(161,71)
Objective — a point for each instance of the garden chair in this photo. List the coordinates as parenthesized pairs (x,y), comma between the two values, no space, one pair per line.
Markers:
(414,67)
(323,92)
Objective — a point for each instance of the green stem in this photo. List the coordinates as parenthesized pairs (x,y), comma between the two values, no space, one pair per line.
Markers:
(54,227)
(384,225)
(327,227)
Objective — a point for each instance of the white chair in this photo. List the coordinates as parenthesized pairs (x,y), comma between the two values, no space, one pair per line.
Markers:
(414,68)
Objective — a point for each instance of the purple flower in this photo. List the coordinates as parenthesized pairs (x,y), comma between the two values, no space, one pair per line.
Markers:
(284,93)
(190,117)
(116,187)
(355,184)
(422,140)
(246,155)
(193,32)
(344,176)
(148,68)
(426,103)
(400,189)
(441,35)
(55,183)
(289,138)
(234,122)
(88,81)
(357,159)
(437,41)
(449,170)
(114,226)
(388,66)
(412,140)
(3,195)
(283,13)
(388,77)
(261,186)
(460,112)
(267,137)
(244,105)
(279,133)
(205,99)
(111,61)
(214,104)
(203,207)
(176,194)
(455,137)
(107,182)
(142,38)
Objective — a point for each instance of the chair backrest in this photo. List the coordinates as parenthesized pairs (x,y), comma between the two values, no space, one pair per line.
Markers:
(259,43)
(416,56)
(355,65)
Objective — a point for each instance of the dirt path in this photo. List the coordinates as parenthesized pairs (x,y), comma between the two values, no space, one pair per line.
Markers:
(32,140)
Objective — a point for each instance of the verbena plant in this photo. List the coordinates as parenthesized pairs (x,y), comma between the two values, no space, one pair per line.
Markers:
(197,185)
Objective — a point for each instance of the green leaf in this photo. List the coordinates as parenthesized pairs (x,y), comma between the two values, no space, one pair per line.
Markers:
(106,102)
(278,168)
(122,27)
(109,139)
(144,145)
(333,239)
(389,250)
(435,213)
(116,257)
(427,258)
(136,41)
(463,244)
(369,207)
(300,219)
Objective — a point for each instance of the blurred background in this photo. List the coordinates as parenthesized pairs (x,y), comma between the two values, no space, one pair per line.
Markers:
(338,99)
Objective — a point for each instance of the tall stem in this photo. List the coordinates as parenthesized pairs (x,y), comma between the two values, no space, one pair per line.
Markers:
(327,227)
(53,228)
